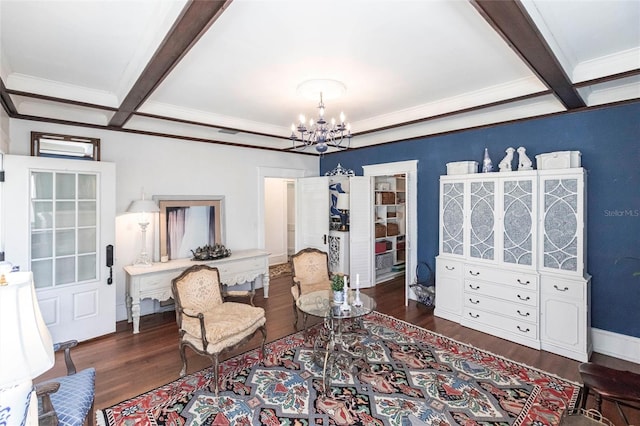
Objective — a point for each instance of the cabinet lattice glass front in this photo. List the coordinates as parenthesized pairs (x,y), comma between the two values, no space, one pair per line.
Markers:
(453,218)
(518,213)
(63,227)
(561,224)
(482,236)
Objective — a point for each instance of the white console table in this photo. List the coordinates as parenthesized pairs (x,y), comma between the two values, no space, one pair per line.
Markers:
(154,282)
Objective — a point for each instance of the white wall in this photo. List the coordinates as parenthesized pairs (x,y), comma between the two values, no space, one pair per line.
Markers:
(165,166)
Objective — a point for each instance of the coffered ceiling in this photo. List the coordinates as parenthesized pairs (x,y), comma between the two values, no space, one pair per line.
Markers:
(227,72)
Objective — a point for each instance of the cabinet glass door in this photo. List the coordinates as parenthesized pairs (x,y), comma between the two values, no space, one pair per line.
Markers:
(453,218)
(482,235)
(560,242)
(518,211)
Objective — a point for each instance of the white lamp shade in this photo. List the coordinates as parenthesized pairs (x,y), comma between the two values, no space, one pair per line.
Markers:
(26,349)
(343,201)
(143,206)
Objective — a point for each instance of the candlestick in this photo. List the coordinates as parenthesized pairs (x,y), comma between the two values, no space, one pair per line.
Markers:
(356,300)
(345,297)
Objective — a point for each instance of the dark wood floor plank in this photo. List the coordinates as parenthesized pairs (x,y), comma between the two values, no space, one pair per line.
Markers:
(128,365)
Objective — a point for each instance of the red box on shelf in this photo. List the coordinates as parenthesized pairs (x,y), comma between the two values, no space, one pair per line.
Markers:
(381,246)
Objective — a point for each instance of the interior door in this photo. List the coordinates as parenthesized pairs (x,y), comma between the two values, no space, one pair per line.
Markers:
(59,216)
(312,213)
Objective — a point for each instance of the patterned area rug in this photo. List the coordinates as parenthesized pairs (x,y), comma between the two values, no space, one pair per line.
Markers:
(281,270)
(411,377)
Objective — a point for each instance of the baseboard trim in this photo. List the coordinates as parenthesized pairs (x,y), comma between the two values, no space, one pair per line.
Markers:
(616,345)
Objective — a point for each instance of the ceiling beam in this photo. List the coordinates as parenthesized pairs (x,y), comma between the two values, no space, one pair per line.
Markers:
(6,101)
(195,19)
(511,21)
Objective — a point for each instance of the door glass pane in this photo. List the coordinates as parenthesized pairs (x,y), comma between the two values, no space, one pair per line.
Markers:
(65,186)
(65,242)
(87,213)
(65,214)
(41,244)
(65,270)
(42,273)
(42,217)
(42,185)
(87,187)
(86,240)
(86,267)
(64,233)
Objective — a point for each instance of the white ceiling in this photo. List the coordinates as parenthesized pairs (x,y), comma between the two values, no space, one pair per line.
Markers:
(411,68)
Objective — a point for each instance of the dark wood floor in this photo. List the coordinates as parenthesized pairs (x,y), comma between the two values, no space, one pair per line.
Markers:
(128,365)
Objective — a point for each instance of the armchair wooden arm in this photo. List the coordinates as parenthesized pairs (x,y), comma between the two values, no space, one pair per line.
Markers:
(46,412)
(66,347)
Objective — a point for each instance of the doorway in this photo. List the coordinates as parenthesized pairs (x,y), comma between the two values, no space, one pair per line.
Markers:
(279,219)
(284,180)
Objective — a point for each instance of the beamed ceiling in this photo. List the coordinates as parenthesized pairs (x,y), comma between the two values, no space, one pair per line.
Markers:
(227,71)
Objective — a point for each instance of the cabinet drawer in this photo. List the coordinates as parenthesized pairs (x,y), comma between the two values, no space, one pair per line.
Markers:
(519,312)
(509,277)
(512,325)
(448,267)
(509,293)
(156,281)
(563,288)
(239,267)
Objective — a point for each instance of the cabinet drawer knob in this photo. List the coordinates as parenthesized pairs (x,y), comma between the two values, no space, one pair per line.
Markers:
(475,302)
(526,330)
(475,274)
(474,316)
(524,298)
(526,314)
(560,289)
(524,282)
(449,268)
(472,287)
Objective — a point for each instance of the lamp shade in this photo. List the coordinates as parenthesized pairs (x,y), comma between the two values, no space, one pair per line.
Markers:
(143,206)
(26,349)
(343,201)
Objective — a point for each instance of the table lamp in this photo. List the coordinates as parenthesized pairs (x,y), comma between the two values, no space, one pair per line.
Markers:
(342,204)
(143,208)
(26,349)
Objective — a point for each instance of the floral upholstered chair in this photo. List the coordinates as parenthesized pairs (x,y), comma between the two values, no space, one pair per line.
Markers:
(310,269)
(67,400)
(206,322)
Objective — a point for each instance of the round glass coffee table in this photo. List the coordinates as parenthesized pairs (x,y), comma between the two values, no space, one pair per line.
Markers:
(336,345)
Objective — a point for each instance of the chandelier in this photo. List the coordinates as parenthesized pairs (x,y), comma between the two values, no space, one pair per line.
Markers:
(320,133)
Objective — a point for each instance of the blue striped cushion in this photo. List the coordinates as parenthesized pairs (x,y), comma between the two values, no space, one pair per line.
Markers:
(73,400)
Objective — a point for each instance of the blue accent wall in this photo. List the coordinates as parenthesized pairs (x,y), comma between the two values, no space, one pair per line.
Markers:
(609,140)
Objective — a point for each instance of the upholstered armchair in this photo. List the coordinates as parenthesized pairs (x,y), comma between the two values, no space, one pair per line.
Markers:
(206,322)
(310,269)
(67,400)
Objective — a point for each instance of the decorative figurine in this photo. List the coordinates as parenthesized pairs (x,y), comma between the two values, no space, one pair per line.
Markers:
(505,164)
(524,162)
(487,165)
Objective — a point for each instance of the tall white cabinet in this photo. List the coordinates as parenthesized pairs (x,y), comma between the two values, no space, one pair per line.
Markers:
(512,257)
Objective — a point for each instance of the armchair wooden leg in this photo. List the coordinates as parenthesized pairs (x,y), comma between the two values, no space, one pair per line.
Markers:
(216,374)
(295,315)
(183,356)
(263,330)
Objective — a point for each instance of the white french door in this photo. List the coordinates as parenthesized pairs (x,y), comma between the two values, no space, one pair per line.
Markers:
(58,217)
(312,213)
